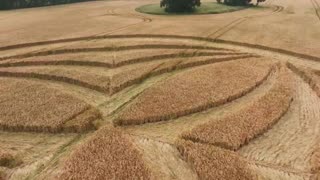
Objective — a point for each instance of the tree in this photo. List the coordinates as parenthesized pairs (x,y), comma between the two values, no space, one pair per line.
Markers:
(5,4)
(179,5)
(259,1)
(14,4)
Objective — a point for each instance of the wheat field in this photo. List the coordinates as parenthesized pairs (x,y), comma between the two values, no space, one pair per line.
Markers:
(96,90)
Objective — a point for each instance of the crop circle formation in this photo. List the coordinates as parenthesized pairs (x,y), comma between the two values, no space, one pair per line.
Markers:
(158,106)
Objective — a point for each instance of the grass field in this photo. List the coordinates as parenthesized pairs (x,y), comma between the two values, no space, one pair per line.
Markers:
(122,90)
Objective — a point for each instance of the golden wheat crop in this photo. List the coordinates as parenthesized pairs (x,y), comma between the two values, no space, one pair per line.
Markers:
(241,126)
(202,96)
(40,108)
(195,90)
(93,81)
(108,154)
(212,162)
(126,78)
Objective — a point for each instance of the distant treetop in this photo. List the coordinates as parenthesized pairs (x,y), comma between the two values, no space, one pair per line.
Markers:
(16,4)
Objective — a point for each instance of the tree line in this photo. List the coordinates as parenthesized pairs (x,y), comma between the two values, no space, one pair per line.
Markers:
(15,4)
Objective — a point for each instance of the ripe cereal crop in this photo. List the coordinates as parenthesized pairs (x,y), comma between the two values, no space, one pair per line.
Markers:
(194,91)
(109,153)
(104,90)
(43,110)
(238,128)
(212,162)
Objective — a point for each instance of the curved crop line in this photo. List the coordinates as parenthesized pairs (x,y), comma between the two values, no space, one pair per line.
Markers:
(112,89)
(252,132)
(255,46)
(131,15)
(299,72)
(288,170)
(118,87)
(278,8)
(317,4)
(56,63)
(109,48)
(307,77)
(257,135)
(223,30)
(272,49)
(40,43)
(82,122)
(121,122)
(54,78)
(113,13)
(214,60)
(155,72)
(173,55)
(316,7)
(115,64)
(227,28)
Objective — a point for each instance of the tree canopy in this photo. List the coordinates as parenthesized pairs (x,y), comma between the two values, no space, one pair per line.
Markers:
(15,4)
